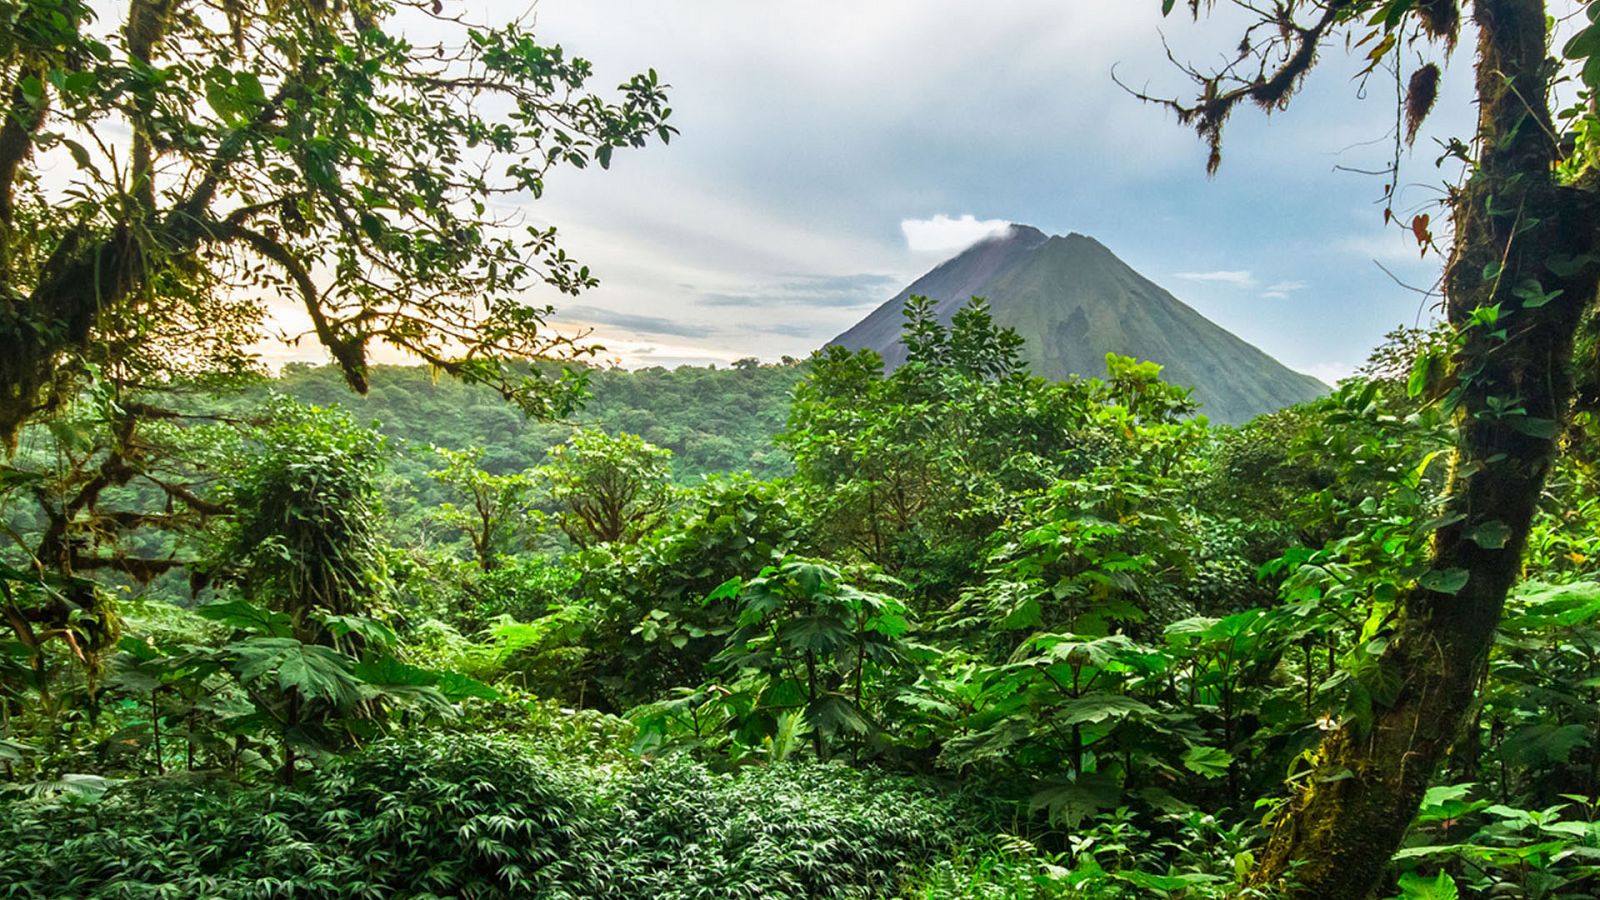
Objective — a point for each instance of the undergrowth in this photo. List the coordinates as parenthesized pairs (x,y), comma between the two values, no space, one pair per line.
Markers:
(472,816)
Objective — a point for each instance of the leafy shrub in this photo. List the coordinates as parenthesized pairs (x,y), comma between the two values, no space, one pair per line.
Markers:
(304,531)
(789,830)
(485,817)
(1116,857)
(654,630)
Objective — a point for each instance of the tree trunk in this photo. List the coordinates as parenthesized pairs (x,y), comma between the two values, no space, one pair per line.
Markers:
(155,732)
(291,721)
(1513,226)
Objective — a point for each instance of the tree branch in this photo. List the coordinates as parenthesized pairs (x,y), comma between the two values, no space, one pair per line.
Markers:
(1270,89)
(347,350)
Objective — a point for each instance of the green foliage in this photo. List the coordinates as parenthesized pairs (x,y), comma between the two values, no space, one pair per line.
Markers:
(474,816)
(1123,616)
(609,488)
(490,510)
(305,537)
(1089,555)
(809,647)
(713,420)
(1464,845)
(266,691)
(653,630)
(910,471)
(1113,857)
(209,162)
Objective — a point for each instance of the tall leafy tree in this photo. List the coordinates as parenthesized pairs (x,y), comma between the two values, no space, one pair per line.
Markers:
(304,535)
(1522,264)
(493,505)
(914,469)
(82,509)
(171,164)
(609,487)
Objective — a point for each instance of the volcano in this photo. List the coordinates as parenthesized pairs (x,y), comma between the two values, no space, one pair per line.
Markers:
(1074,301)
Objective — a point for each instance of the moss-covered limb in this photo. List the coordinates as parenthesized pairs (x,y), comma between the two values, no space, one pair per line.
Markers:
(1336,838)
(1339,832)
(1514,228)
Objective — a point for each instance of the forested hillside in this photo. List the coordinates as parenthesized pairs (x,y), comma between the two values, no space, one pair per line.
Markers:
(713,420)
(988,624)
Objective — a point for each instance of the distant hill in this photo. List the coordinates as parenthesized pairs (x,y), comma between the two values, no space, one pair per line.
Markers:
(1074,301)
(713,420)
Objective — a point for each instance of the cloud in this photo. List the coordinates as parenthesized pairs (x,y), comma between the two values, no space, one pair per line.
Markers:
(633,321)
(631,353)
(1282,289)
(798,330)
(1235,277)
(944,234)
(842,284)
(812,291)
(1329,372)
(805,144)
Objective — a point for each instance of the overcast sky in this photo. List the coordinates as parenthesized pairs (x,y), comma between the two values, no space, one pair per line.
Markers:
(832,151)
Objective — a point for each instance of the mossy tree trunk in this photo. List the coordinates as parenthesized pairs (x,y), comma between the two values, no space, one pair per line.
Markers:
(1519,238)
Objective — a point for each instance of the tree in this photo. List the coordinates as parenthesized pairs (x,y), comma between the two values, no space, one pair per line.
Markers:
(610,488)
(307,150)
(1520,276)
(103,492)
(894,458)
(495,504)
(304,536)
(916,469)
(812,641)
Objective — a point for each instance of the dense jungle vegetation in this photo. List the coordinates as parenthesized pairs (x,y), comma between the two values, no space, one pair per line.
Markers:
(809,630)
(994,636)
(713,420)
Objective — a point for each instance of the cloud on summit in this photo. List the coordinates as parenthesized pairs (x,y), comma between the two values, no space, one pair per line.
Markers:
(942,234)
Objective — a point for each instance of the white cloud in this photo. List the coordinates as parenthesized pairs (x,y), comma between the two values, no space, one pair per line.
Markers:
(944,234)
(1329,372)
(1282,289)
(1235,277)
(639,353)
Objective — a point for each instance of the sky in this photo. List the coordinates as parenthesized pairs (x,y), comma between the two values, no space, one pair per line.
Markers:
(830,152)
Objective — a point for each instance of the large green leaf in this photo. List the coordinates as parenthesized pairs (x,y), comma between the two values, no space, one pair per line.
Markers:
(1543,744)
(399,681)
(316,672)
(1069,801)
(247,616)
(1420,887)
(819,634)
(1207,762)
(833,714)
(375,634)
(457,687)
(75,788)
(1099,708)
(14,751)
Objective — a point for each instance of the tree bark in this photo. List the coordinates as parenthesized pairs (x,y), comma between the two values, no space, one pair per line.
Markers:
(1513,225)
